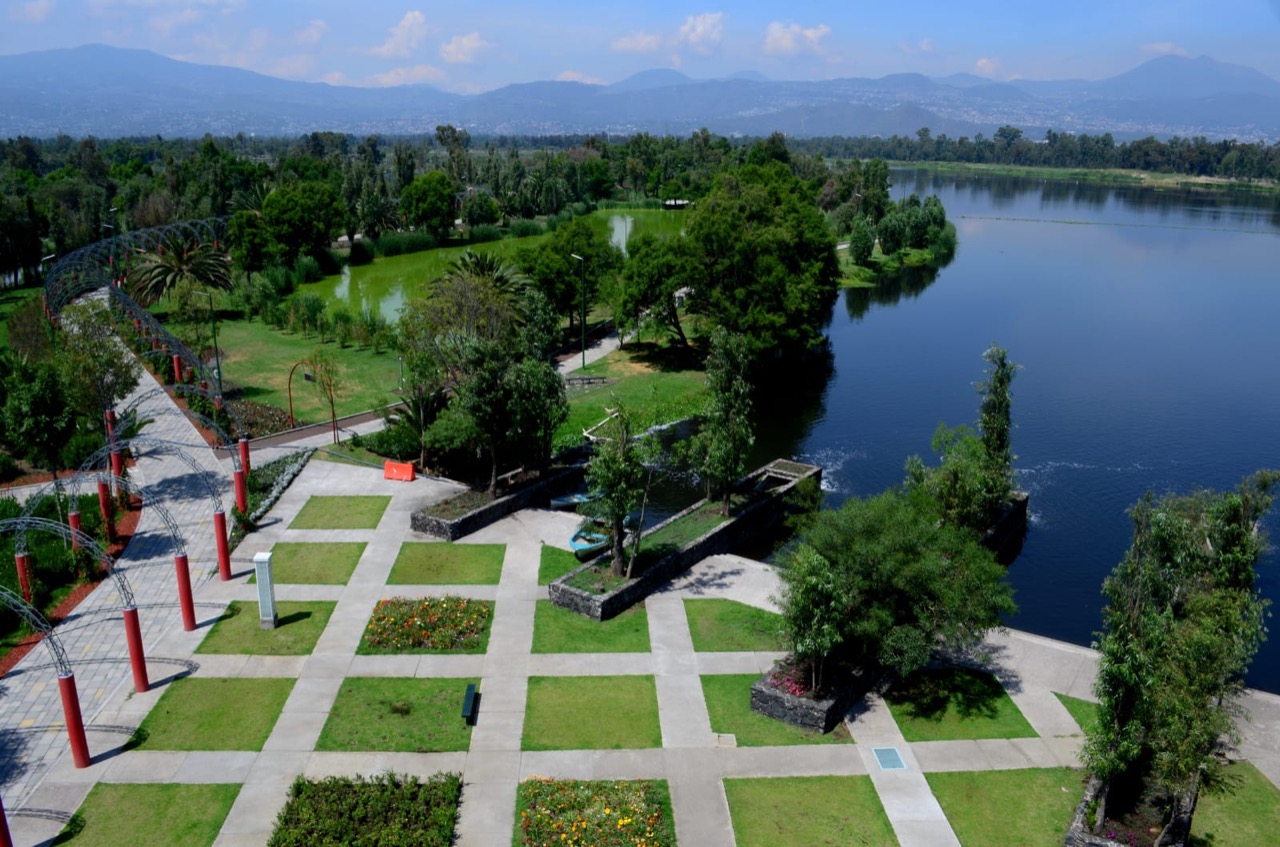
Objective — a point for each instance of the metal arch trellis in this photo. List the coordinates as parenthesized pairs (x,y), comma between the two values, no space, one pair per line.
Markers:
(32,616)
(22,525)
(94,464)
(205,420)
(179,450)
(224,440)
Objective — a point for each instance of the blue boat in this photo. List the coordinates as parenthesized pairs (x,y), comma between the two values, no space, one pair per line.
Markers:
(588,541)
(570,502)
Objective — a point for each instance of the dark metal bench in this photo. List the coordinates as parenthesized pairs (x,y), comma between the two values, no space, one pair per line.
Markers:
(470,705)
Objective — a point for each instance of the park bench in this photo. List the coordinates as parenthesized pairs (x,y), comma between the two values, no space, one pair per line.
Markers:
(470,705)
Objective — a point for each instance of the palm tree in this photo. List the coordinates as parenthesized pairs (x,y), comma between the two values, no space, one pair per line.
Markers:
(155,273)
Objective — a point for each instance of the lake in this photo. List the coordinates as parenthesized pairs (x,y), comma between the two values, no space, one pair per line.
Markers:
(1146,325)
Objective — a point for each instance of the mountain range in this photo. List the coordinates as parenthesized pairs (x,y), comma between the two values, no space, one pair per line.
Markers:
(109,92)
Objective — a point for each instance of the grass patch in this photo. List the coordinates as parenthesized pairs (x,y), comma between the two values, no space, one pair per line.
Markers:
(554,564)
(300,562)
(729,705)
(1084,712)
(558,630)
(591,713)
(600,813)
(259,359)
(446,563)
(428,625)
(955,704)
(344,512)
(388,714)
(727,626)
(175,815)
(1241,818)
(219,713)
(1031,808)
(807,810)
(389,810)
(348,454)
(298,628)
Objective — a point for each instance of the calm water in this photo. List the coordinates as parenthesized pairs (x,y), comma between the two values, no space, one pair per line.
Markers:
(1146,323)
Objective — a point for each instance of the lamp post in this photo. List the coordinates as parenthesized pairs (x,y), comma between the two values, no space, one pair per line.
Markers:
(582,264)
(305,375)
(217,358)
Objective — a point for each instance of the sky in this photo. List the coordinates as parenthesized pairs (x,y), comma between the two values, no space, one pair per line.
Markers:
(472,47)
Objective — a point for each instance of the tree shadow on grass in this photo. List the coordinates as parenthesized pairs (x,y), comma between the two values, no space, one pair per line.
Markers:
(669,358)
(928,694)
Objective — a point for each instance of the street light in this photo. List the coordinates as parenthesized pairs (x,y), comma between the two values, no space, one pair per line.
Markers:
(582,263)
(217,359)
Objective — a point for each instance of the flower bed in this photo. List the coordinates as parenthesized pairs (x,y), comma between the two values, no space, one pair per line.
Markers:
(783,693)
(428,625)
(597,813)
(389,809)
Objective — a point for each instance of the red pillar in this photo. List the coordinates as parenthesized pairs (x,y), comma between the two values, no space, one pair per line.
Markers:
(24,581)
(73,518)
(75,723)
(177,368)
(6,840)
(110,416)
(155,342)
(220,538)
(244,455)
(108,511)
(133,635)
(183,568)
(242,490)
(117,464)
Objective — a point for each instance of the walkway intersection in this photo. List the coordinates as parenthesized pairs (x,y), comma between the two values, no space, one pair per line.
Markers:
(40,785)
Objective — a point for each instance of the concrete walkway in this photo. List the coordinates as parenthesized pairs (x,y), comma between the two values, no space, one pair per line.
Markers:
(693,758)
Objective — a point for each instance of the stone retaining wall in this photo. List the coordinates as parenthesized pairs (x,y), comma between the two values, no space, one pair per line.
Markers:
(750,523)
(805,712)
(1078,835)
(538,494)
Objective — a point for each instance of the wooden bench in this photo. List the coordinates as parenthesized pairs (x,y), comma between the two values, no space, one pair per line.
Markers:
(470,705)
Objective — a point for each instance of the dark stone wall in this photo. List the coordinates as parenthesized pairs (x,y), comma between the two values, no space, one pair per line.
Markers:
(819,715)
(1078,835)
(1005,536)
(533,496)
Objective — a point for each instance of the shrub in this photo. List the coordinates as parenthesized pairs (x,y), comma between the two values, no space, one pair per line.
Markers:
(399,243)
(343,326)
(388,810)
(523,228)
(361,254)
(306,269)
(485,232)
(259,418)
(9,469)
(397,442)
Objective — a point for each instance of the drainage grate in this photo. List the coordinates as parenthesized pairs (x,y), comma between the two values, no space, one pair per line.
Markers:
(889,759)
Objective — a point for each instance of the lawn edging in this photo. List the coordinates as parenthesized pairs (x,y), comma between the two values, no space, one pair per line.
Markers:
(537,494)
(754,519)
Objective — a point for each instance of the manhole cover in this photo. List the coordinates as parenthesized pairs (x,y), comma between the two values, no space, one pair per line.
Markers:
(889,759)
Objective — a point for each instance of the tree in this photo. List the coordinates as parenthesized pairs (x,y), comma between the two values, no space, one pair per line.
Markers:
(96,367)
(880,583)
(656,270)
(302,218)
(178,260)
(1182,623)
(995,413)
(485,398)
(728,431)
(862,241)
(616,479)
(428,202)
(37,417)
(327,373)
(249,240)
(565,281)
(537,404)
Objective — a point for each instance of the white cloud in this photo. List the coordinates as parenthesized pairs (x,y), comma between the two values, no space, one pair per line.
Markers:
(312,32)
(785,39)
(404,37)
(163,26)
(579,76)
(462,49)
(986,66)
(407,75)
(702,32)
(35,12)
(1164,48)
(637,42)
(924,45)
(295,66)
(335,78)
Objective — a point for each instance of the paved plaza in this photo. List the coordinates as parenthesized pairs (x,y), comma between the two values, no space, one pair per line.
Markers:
(41,788)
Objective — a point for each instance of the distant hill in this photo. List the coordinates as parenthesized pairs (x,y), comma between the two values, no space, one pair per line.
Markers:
(108,91)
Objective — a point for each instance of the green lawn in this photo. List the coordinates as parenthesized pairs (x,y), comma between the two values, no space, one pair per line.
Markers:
(1084,712)
(445,563)
(329,563)
(298,628)
(388,714)
(1022,808)
(259,359)
(1242,819)
(558,630)
(825,810)
(727,626)
(953,705)
(126,815)
(591,713)
(341,512)
(215,713)
(555,563)
(729,705)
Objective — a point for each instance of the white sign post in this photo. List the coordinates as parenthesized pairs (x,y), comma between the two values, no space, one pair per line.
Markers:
(266,591)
